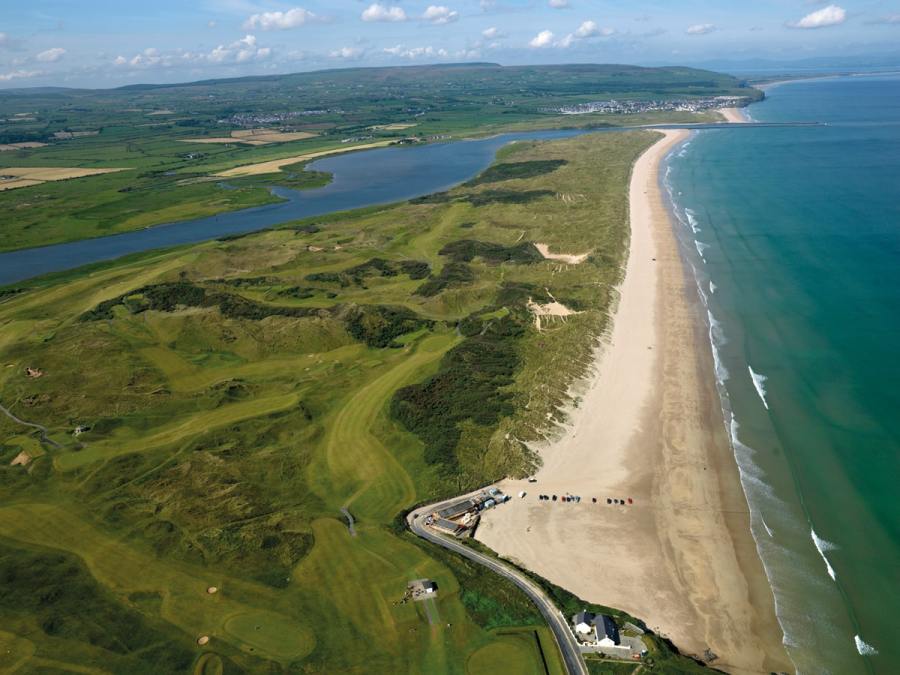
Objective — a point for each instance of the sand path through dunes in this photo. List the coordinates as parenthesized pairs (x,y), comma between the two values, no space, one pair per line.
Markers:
(649,427)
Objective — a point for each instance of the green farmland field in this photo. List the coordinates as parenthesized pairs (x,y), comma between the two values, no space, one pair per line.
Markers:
(148,130)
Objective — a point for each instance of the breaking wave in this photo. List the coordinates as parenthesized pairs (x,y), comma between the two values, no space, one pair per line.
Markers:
(864,648)
(759,382)
(692,220)
(822,546)
(701,247)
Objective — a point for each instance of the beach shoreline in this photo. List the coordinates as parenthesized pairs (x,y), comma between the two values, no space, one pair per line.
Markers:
(734,115)
(648,427)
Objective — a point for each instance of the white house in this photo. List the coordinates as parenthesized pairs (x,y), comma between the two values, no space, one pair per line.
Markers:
(583,623)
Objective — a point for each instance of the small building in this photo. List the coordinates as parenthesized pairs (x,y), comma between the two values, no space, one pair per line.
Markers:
(429,586)
(447,526)
(600,627)
(583,623)
(607,631)
(458,509)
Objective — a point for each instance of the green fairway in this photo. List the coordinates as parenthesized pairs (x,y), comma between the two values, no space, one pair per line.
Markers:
(214,407)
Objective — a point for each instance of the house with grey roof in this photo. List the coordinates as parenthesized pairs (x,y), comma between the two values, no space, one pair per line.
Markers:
(606,630)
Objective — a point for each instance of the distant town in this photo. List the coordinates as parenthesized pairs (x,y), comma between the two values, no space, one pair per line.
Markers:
(613,106)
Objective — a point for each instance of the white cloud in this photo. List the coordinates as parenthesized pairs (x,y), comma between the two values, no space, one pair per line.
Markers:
(347,53)
(210,24)
(241,51)
(439,14)
(492,33)
(379,12)
(542,39)
(589,29)
(486,5)
(827,16)
(415,52)
(51,55)
(4,38)
(559,4)
(700,29)
(292,18)
(19,75)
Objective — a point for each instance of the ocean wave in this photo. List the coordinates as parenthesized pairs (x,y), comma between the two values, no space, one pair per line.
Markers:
(701,247)
(703,297)
(716,339)
(692,220)
(759,382)
(822,546)
(712,287)
(768,529)
(864,648)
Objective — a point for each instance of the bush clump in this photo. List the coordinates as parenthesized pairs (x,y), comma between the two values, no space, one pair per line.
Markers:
(468,387)
(466,250)
(510,170)
(453,274)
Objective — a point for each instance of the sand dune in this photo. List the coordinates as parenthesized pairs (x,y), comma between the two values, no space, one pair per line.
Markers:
(649,427)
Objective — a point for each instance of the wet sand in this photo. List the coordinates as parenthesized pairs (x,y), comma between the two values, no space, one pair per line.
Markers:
(648,426)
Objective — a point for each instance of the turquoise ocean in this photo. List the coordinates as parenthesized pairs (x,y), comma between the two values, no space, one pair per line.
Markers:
(793,234)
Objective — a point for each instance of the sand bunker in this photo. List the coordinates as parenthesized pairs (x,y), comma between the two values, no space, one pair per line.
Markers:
(544,250)
(21,459)
(16,177)
(275,165)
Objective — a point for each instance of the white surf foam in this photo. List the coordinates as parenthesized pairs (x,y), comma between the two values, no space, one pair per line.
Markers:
(759,382)
(692,220)
(822,546)
(768,529)
(712,287)
(717,338)
(701,247)
(864,648)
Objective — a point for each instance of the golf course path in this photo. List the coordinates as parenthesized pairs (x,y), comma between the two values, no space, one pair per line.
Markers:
(568,647)
(44,437)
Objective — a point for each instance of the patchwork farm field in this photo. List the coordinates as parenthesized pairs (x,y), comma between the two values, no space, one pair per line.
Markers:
(209,411)
(172,144)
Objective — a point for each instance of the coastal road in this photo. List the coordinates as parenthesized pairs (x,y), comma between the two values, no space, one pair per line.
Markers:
(574,663)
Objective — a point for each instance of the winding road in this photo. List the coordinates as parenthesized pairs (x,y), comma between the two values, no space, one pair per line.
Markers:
(44,437)
(568,647)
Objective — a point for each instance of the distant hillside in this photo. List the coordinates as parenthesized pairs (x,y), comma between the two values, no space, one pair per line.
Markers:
(354,98)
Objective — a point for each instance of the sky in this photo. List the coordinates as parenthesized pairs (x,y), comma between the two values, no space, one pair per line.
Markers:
(109,43)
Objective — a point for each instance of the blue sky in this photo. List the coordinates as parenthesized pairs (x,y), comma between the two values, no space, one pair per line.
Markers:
(105,43)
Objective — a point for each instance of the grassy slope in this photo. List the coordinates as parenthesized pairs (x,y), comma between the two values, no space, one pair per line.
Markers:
(220,450)
(165,182)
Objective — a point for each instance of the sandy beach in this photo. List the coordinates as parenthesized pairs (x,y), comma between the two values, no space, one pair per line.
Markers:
(734,115)
(648,426)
